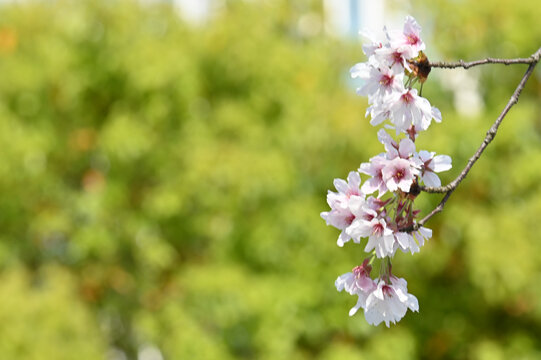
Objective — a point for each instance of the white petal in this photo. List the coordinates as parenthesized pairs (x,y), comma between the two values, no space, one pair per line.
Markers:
(385,139)
(405,184)
(397,308)
(406,148)
(412,303)
(354,180)
(378,293)
(370,186)
(431,179)
(325,216)
(392,185)
(359,70)
(441,163)
(366,168)
(400,282)
(341,185)
(359,228)
(425,155)
(378,118)
(402,239)
(401,294)
(341,281)
(342,239)
(347,282)
(360,304)
(422,235)
(425,232)
(373,317)
(436,114)
(356,204)
(411,27)
(388,241)
(370,244)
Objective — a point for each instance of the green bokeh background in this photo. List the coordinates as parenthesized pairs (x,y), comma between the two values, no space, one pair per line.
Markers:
(161,187)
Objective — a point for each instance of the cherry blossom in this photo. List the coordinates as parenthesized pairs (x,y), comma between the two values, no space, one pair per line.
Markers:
(377,204)
(387,140)
(357,282)
(372,45)
(405,241)
(380,236)
(384,169)
(379,112)
(373,168)
(432,164)
(340,215)
(407,109)
(389,302)
(422,235)
(409,39)
(405,150)
(379,81)
(399,174)
(394,58)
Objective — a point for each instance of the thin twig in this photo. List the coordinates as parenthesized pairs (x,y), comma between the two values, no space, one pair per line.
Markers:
(491,133)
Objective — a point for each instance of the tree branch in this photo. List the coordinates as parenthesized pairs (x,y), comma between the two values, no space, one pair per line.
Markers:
(466,65)
(491,133)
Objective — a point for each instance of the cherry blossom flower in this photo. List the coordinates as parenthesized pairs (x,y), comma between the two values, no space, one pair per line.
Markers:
(405,109)
(422,234)
(399,173)
(409,39)
(432,164)
(379,111)
(379,81)
(405,242)
(380,236)
(405,150)
(372,45)
(340,215)
(408,109)
(389,302)
(358,279)
(436,114)
(357,282)
(376,204)
(387,140)
(393,57)
(373,168)
(396,169)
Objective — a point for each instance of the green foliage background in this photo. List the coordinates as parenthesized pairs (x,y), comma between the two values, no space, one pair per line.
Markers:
(161,187)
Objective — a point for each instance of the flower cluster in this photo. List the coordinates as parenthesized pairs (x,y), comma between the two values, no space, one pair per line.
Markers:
(388,219)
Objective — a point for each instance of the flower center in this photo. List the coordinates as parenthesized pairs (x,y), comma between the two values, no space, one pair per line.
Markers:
(412,39)
(407,98)
(386,80)
(397,57)
(378,229)
(387,291)
(360,271)
(352,192)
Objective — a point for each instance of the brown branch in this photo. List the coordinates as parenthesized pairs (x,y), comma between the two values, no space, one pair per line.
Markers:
(466,65)
(491,133)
